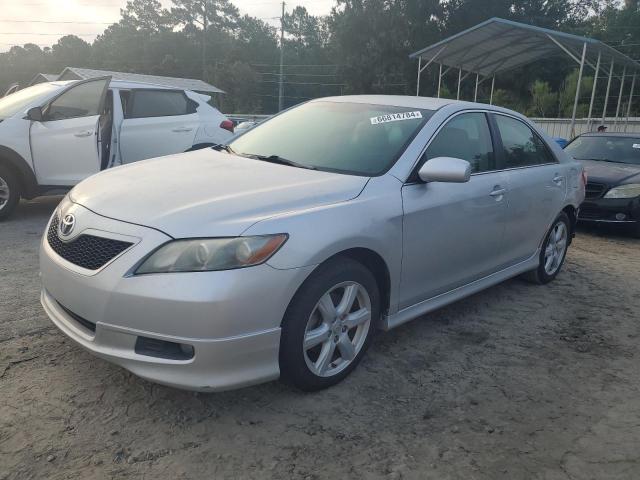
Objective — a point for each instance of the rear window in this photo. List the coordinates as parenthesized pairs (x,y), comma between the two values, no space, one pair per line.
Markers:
(158,103)
(355,138)
(606,148)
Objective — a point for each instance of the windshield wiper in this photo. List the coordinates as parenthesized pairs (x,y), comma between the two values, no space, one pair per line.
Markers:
(278,159)
(221,146)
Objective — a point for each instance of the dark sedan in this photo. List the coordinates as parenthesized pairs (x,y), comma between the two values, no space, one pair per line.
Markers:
(612,163)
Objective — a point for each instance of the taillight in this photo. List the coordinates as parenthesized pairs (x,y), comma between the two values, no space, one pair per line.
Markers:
(584,178)
(227,125)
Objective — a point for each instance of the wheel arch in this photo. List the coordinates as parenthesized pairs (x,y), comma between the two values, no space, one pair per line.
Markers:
(374,262)
(572,213)
(19,166)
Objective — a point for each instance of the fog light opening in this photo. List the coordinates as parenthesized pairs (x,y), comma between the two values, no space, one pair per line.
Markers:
(152,347)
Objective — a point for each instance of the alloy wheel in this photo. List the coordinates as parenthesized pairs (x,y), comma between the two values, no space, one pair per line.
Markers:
(5,193)
(555,248)
(337,329)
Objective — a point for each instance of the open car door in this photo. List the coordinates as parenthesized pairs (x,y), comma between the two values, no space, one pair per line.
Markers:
(64,143)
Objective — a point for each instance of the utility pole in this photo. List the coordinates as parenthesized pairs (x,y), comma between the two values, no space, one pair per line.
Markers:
(281,86)
(204,40)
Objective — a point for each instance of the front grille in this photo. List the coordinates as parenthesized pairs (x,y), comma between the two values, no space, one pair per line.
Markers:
(594,190)
(86,251)
(591,213)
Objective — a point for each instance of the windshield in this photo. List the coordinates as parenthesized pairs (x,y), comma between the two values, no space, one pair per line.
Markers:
(354,138)
(12,104)
(604,148)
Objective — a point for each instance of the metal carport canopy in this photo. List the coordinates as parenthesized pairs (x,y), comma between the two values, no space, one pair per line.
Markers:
(497,45)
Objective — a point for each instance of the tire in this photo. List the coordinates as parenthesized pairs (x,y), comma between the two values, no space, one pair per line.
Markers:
(9,192)
(544,274)
(310,318)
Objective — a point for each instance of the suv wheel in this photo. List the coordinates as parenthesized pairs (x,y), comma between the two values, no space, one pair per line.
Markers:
(9,192)
(328,325)
(553,252)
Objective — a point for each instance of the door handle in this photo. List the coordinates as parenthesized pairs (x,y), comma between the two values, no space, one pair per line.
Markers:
(498,192)
(558,179)
(84,133)
(182,129)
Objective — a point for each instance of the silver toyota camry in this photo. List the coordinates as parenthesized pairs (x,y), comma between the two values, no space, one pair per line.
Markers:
(280,254)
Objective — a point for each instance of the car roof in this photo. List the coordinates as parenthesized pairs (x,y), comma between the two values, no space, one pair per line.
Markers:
(612,134)
(119,84)
(427,103)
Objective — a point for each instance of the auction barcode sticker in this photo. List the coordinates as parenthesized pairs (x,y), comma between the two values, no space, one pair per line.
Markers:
(395,117)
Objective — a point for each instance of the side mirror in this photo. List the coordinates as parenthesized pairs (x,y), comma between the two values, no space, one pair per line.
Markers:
(445,169)
(35,114)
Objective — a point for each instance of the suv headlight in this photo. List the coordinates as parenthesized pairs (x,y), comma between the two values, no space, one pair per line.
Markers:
(624,191)
(209,254)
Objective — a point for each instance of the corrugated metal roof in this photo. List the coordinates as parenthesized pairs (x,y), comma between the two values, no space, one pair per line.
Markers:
(497,45)
(43,77)
(75,73)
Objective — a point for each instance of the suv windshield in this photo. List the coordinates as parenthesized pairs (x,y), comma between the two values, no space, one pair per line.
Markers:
(12,104)
(353,138)
(606,148)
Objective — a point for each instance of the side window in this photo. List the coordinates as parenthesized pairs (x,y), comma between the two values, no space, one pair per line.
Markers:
(81,101)
(466,136)
(522,147)
(158,103)
(124,100)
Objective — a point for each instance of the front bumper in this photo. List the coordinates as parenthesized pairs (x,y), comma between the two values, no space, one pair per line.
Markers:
(611,210)
(231,319)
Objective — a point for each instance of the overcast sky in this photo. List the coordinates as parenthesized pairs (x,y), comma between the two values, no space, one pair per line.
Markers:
(32,21)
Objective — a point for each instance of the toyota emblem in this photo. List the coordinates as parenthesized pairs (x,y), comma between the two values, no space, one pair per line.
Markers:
(67,225)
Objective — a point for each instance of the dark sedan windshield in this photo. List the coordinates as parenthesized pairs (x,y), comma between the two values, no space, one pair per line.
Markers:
(355,138)
(606,148)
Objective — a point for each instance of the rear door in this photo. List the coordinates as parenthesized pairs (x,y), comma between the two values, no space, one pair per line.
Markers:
(453,232)
(64,145)
(156,123)
(537,186)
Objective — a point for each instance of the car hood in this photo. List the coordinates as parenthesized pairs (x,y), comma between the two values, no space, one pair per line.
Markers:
(611,173)
(208,193)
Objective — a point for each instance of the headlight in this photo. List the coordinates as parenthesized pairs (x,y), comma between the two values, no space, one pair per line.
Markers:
(624,191)
(208,254)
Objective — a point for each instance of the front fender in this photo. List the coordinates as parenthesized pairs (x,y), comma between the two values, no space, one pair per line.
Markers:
(373,221)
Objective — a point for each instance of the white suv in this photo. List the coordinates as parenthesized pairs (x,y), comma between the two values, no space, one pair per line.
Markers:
(55,134)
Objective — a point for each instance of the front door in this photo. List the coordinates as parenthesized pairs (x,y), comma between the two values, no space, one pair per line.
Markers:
(64,145)
(537,187)
(157,122)
(453,232)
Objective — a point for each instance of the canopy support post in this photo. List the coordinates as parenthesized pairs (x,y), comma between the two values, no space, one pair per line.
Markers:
(421,68)
(459,81)
(493,82)
(606,95)
(475,93)
(633,84)
(593,93)
(439,80)
(419,72)
(615,120)
(575,102)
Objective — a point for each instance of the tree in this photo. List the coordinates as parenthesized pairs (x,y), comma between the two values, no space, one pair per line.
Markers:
(543,100)
(146,16)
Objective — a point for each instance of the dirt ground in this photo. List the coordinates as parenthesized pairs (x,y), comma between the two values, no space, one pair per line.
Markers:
(517,382)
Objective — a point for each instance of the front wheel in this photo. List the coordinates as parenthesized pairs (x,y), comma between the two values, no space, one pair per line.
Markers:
(9,192)
(553,252)
(328,325)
